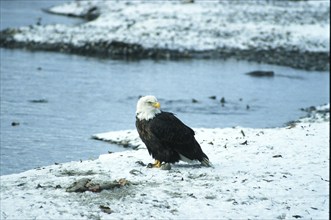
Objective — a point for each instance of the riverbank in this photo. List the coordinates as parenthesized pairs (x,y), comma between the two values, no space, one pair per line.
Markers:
(281,172)
(292,33)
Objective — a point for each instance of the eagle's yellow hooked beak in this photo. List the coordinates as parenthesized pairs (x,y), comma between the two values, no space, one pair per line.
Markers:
(156,105)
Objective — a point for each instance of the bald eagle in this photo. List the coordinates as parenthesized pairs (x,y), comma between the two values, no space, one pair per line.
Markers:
(167,138)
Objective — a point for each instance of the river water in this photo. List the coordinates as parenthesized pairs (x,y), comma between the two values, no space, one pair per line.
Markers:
(60,100)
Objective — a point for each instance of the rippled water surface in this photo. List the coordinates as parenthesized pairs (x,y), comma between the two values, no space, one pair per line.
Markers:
(60,100)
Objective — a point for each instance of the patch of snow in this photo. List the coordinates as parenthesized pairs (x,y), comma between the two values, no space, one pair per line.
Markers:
(77,8)
(278,173)
(203,25)
(317,114)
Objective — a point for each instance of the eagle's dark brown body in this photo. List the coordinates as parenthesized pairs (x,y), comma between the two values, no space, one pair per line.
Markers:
(170,140)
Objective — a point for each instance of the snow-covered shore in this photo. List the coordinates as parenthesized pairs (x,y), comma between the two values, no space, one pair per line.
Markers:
(290,33)
(276,173)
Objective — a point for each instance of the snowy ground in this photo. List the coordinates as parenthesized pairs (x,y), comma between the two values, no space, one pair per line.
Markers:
(278,173)
(200,26)
(292,33)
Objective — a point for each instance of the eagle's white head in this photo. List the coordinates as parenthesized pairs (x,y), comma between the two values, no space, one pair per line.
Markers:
(147,107)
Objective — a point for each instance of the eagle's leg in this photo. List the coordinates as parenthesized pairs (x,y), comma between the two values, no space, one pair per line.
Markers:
(156,164)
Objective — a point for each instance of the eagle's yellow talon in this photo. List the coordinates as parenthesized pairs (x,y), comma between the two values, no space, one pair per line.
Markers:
(156,164)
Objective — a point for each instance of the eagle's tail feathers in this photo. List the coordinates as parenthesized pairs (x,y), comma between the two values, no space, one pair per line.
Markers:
(205,162)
